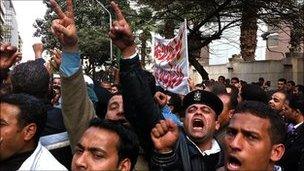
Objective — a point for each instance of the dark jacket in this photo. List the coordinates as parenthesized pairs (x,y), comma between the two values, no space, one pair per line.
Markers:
(143,113)
(294,151)
(54,123)
(14,162)
(139,106)
(187,157)
(55,126)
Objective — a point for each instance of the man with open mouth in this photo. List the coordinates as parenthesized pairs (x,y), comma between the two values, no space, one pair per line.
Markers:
(192,147)
(254,138)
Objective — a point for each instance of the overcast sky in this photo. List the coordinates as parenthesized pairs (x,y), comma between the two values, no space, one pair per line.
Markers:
(27,11)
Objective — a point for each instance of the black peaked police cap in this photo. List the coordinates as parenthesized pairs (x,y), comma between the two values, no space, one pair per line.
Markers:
(203,97)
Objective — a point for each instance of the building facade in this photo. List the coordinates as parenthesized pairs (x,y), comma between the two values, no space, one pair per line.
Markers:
(9,32)
(277,42)
(2,21)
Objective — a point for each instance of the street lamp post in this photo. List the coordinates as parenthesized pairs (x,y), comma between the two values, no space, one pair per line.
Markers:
(110,24)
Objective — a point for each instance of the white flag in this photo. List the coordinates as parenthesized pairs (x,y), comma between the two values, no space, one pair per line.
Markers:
(171,68)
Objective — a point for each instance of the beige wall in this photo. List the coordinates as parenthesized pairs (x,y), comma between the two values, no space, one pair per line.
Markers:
(298,70)
(204,56)
(271,70)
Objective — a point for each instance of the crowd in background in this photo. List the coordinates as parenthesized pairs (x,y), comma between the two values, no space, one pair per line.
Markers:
(68,121)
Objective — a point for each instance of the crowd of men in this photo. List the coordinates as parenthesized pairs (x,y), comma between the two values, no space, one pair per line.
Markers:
(70,122)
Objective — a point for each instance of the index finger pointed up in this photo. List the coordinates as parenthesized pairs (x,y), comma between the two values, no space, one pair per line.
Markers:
(70,8)
(57,9)
(117,11)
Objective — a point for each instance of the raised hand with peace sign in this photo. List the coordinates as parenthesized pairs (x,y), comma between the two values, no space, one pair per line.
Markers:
(64,28)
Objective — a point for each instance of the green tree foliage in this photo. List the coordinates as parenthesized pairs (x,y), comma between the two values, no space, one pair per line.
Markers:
(207,19)
(297,30)
(145,24)
(93,26)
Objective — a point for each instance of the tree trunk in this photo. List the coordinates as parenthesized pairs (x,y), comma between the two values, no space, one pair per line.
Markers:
(200,69)
(248,38)
(195,45)
(295,39)
(169,29)
(296,35)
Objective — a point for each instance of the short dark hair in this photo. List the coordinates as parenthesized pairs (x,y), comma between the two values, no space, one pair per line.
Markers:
(31,109)
(31,78)
(277,129)
(261,79)
(216,87)
(4,73)
(296,102)
(200,85)
(128,146)
(221,76)
(300,88)
(235,78)
(292,83)
(268,83)
(282,80)
(254,93)
(234,97)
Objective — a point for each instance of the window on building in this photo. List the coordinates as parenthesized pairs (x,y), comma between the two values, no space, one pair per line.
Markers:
(273,40)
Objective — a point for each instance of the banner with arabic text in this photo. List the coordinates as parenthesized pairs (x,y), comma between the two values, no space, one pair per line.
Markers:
(171,68)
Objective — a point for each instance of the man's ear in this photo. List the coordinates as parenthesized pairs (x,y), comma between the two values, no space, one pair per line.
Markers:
(125,165)
(298,112)
(29,131)
(217,125)
(277,152)
(230,113)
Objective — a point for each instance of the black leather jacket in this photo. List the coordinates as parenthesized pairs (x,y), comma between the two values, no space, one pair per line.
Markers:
(187,157)
(143,113)
(139,106)
(293,158)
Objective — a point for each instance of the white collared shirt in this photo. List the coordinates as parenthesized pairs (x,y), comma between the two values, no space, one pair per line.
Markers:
(215,148)
(41,159)
(297,125)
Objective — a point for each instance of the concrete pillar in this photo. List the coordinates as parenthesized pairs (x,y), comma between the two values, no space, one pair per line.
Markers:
(298,69)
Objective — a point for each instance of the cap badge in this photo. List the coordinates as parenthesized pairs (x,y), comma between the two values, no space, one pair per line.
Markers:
(197,96)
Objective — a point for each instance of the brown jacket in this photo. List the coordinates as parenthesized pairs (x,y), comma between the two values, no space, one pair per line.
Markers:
(77,108)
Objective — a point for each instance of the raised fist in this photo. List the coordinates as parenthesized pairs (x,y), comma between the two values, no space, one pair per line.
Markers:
(161,98)
(38,49)
(8,55)
(164,136)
